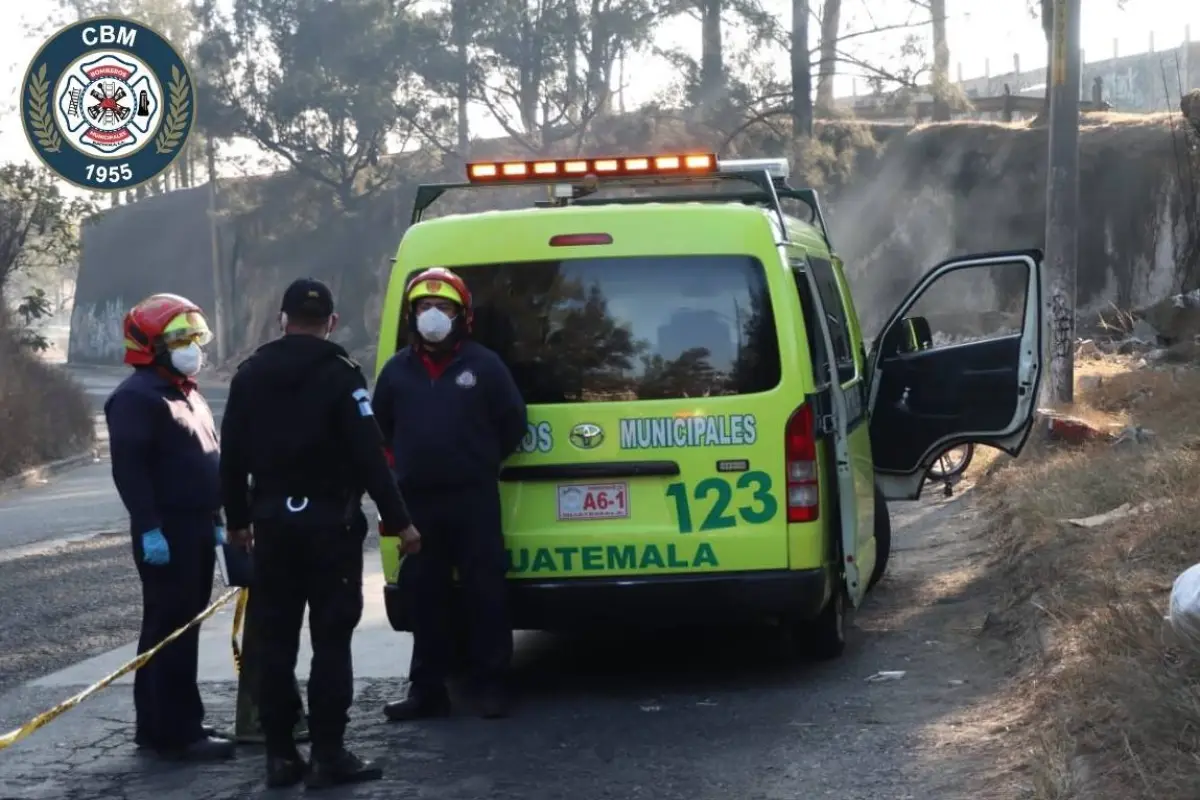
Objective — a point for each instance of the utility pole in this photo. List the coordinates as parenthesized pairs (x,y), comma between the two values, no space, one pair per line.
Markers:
(218,284)
(1062,197)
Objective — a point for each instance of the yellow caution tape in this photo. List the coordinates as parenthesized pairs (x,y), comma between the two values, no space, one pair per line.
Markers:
(239,615)
(41,720)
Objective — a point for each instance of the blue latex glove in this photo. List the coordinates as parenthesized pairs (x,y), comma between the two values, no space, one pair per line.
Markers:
(219,534)
(154,548)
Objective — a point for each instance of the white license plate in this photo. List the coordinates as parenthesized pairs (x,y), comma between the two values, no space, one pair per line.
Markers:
(593,501)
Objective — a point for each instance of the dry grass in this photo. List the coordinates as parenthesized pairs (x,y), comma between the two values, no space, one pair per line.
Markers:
(1115,707)
(43,413)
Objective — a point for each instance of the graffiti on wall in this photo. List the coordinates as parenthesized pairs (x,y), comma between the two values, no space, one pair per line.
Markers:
(96,332)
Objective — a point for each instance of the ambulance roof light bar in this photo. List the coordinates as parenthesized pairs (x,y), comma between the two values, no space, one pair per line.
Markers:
(548,169)
(573,180)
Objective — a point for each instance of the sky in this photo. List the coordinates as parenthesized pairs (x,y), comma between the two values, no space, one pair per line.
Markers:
(979,32)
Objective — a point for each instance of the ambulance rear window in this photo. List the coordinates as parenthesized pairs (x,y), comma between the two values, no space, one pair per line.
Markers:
(641,328)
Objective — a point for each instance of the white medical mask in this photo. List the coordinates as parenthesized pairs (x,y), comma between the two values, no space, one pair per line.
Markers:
(434,325)
(187,360)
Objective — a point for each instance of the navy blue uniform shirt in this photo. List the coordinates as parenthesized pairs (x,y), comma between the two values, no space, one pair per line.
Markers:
(165,454)
(452,431)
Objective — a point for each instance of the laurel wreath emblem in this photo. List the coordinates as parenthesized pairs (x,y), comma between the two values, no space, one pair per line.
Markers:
(41,121)
(179,113)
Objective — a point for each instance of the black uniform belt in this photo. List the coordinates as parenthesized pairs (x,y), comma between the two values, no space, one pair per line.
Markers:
(303,508)
(298,490)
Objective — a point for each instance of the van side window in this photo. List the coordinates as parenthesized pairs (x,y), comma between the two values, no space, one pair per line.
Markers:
(835,315)
(816,343)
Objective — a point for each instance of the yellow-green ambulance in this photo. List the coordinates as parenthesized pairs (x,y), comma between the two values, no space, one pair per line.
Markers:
(710,437)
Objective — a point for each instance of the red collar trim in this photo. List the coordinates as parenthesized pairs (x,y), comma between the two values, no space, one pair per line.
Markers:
(185,385)
(436,361)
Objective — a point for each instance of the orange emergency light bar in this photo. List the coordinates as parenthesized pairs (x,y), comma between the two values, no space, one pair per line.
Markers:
(568,168)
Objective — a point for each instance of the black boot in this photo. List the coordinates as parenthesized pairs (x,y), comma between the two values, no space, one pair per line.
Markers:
(285,769)
(340,768)
(418,705)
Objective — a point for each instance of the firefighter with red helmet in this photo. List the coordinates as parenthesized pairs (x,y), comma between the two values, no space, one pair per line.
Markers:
(165,457)
(451,413)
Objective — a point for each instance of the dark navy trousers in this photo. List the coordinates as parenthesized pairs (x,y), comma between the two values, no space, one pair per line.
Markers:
(166,696)
(460,529)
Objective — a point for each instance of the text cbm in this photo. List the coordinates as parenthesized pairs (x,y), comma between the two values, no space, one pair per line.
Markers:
(108,34)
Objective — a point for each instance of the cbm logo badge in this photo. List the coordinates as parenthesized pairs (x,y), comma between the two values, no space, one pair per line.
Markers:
(108,103)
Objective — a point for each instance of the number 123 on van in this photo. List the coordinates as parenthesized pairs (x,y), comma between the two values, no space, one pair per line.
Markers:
(593,501)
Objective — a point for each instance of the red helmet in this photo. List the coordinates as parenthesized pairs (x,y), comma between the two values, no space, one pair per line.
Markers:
(440,282)
(160,320)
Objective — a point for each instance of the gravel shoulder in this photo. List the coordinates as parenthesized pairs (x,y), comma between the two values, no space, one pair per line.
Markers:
(717,715)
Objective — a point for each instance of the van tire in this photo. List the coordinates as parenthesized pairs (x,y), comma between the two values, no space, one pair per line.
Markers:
(883,538)
(824,638)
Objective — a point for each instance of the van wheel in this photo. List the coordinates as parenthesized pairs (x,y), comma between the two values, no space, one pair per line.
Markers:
(824,638)
(883,538)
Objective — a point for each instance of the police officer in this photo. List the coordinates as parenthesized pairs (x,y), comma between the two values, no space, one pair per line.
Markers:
(452,413)
(299,428)
(163,444)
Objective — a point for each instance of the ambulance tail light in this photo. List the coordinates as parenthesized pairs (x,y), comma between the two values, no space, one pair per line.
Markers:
(617,167)
(800,454)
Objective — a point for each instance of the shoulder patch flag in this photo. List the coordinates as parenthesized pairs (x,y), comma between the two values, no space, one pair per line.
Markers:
(363,398)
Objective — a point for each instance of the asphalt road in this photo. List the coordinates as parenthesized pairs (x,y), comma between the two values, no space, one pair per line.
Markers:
(701,714)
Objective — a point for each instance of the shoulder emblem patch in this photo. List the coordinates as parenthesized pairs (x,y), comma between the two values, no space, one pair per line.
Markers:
(363,398)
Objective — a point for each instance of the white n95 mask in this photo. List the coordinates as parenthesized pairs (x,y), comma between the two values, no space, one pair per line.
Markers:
(187,360)
(434,325)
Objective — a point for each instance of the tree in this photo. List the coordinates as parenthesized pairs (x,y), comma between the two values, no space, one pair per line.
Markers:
(39,226)
(802,105)
(326,87)
(941,62)
(715,84)
(831,12)
(546,67)
(524,45)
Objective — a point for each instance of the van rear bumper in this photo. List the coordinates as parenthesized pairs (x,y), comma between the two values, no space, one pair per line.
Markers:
(661,600)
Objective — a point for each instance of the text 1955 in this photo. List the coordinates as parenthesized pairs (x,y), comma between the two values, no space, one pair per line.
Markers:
(117,173)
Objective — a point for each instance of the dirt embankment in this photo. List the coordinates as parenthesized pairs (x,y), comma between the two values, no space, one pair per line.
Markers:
(1109,698)
(44,415)
(950,189)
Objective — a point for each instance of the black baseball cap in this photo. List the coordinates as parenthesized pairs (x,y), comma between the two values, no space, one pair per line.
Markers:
(307,298)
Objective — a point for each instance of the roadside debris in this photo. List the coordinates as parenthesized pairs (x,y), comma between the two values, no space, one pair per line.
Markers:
(1133,434)
(1120,512)
(888,675)
(1067,429)
(1087,349)
(1071,430)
